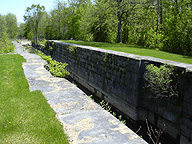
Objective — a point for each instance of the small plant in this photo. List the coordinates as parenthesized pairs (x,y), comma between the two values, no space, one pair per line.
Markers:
(91,96)
(106,106)
(154,134)
(46,44)
(72,48)
(105,58)
(160,81)
(114,114)
(50,48)
(57,69)
(121,120)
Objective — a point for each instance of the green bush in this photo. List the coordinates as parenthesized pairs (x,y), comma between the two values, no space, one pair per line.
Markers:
(160,81)
(154,39)
(57,69)
(5,45)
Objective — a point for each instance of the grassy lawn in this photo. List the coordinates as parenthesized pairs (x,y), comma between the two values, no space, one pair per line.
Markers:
(25,117)
(138,50)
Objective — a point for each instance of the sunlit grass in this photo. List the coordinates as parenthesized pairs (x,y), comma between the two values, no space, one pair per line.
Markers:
(25,117)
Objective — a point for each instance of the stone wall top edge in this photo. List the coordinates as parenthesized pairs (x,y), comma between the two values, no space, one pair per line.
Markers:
(136,57)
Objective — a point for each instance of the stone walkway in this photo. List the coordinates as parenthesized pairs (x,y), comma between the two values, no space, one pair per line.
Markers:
(83,120)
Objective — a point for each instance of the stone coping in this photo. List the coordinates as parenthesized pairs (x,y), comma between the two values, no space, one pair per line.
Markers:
(137,57)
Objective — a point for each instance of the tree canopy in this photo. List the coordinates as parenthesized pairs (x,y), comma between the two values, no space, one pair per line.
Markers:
(158,24)
(32,17)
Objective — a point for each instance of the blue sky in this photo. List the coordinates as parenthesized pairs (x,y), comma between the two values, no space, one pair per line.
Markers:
(18,7)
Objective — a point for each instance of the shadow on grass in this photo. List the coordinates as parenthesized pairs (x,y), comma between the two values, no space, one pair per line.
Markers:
(187,57)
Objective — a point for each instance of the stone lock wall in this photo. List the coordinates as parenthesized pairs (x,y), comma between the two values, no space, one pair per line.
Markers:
(117,77)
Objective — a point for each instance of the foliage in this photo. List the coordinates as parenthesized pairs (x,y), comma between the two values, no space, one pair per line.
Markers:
(57,69)
(27,32)
(72,48)
(33,16)
(3,24)
(160,81)
(154,40)
(107,107)
(50,48)
(103,22)
(157,24)
(21,30)
(24,119)
(8,24)
(11,24)
(6,45)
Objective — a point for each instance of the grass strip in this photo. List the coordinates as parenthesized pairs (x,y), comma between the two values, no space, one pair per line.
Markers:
(25,117)
(133,49)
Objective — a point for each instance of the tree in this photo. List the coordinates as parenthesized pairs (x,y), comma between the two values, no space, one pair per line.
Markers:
(21,30)
(6,45)
(177,27)
(33,16)
(11,25)
(125,8)
(3,24)
(103,22)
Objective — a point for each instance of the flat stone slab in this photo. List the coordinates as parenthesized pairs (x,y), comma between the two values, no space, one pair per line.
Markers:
(84,121)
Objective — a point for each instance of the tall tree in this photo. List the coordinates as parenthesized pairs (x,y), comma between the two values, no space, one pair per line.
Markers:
(126,8)
(11,25)
(3,24)
(33,16)
(21,30)
(103,22)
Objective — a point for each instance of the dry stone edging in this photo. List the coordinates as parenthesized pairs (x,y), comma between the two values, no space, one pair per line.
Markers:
(83,120)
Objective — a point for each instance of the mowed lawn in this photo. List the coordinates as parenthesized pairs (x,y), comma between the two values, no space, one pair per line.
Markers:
(25,117)
(133,49)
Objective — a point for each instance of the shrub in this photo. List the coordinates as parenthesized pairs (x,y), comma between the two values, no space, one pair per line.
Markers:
(57,69)
(5,45)
(160,81)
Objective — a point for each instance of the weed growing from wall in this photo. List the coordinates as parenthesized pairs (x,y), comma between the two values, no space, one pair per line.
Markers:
(50,48)
(160,81)
(46,44)
(105,58)
(72,48)
(107,107)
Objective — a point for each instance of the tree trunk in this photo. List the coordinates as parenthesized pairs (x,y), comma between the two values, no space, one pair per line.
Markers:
(119,34)
(161,14)
(157,16)
(119,15)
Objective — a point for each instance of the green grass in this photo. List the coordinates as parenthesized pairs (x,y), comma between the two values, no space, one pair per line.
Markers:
(25,117)
(133,49)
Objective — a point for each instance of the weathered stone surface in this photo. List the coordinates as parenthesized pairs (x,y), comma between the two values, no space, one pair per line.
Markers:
(83,120)
(118,78)
(184,140)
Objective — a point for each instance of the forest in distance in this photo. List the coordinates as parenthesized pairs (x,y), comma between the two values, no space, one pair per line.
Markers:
(157,24)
